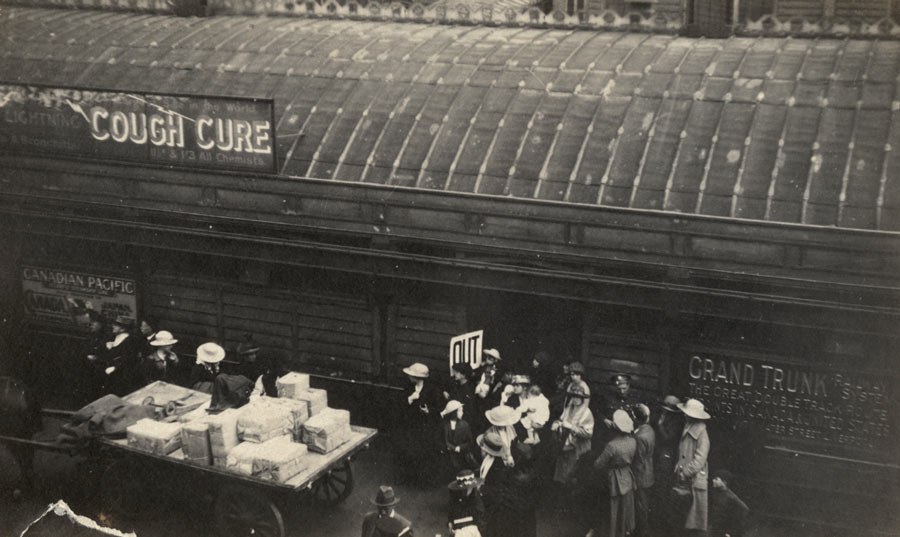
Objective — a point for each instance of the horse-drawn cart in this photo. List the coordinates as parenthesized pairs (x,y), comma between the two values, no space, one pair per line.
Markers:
(242,505)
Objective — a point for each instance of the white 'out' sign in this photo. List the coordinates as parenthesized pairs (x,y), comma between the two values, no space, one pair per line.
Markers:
(466,348)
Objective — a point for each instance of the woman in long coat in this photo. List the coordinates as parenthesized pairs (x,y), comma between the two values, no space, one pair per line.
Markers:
(692,468)
(418,446)
(574,429)
(616,460)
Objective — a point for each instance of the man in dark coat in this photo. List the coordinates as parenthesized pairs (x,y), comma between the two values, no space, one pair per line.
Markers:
(668,432)
(386,522)
(727,512)
(642,467)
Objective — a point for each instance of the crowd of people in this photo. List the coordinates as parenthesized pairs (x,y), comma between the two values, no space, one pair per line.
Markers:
(514,441)
(122,356)
(510,441)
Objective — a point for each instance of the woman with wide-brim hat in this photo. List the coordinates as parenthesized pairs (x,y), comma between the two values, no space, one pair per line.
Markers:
(692,468)
(502,420)
(459,443)
(465,514)
(419,427)
(161,362)
(206,367)
(615,461)
(574,430)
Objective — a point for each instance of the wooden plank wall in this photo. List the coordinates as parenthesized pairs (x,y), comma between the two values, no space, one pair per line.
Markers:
(617,345)
(333,331)
(422,333)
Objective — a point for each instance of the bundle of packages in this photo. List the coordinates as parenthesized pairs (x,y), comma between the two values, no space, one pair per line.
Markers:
(316,399)
(263,420)
(277,459)
(223,436)
(299,412)
(292,383)
(327,430)
(195,442)
(154,436)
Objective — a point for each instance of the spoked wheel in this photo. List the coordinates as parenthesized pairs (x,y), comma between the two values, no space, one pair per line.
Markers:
(334,487)
(121,492)
(242,512)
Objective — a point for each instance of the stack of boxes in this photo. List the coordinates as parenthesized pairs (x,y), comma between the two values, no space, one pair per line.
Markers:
(268,438)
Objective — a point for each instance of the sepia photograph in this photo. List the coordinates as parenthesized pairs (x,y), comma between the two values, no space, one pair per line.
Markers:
(450,268)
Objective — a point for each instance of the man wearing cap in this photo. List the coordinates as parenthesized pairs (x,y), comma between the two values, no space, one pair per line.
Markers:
(643,469)
(620,398)
(465,515)
(692,469)
(616,460)
(386,522)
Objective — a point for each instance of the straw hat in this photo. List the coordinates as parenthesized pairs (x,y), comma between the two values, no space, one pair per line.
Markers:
(162,339)
(210,353)
(576,367)
(502,416)
(491,443)
(465,480)
(694,409)
(452,406)
(493,353)
(622,421)
(385,497)
(417,370)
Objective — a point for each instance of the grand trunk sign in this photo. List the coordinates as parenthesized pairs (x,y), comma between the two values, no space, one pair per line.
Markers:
(807,406)
(207,132)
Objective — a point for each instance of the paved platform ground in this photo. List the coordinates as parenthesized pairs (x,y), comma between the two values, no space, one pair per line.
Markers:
(183,513)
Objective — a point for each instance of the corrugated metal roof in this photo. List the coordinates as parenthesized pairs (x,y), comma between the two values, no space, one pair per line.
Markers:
(785,130)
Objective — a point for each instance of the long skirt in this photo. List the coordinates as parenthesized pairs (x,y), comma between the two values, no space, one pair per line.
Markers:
(621,515)
(698,514)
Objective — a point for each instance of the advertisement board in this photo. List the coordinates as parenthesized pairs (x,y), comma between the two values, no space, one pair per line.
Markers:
(810,407)
(206,132)
(62,296)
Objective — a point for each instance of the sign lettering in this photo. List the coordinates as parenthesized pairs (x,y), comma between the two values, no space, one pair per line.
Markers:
(466,349)
(64,297)
(211,132)
(819,408)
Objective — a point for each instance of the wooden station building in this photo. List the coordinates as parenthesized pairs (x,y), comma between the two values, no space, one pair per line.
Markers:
(718,218)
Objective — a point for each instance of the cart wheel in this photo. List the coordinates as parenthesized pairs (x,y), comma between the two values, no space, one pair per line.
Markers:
(334,487)
(241,512)
(121,490)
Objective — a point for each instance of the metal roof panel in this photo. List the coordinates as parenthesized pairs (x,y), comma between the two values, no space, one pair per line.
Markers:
(651,120)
